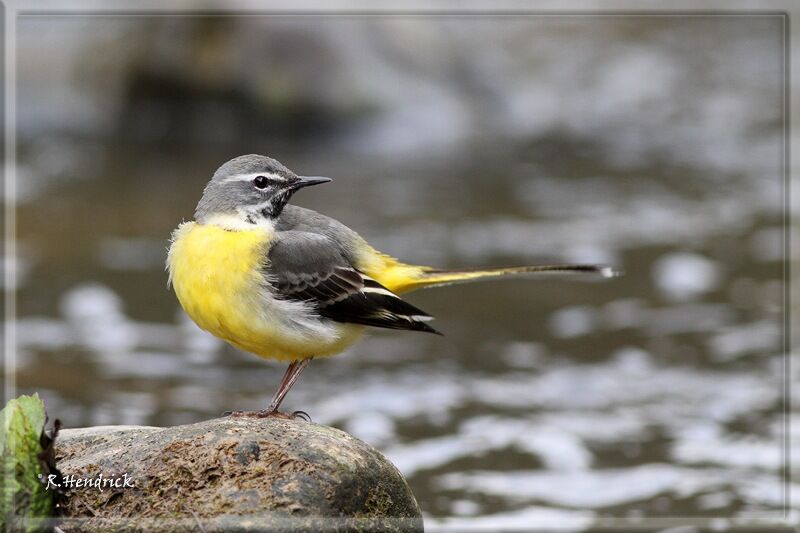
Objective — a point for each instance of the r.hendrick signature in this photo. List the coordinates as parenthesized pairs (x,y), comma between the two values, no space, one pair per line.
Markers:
(98,482)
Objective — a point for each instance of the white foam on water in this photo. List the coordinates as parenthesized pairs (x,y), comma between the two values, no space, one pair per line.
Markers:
(591,489)
(573,321)
(742,451)
(529,518)
(96,314)
(44,333)
(600,488)
(757,338)
(433,452)
(371,426)
(682,276)
(555,447)
(464,507)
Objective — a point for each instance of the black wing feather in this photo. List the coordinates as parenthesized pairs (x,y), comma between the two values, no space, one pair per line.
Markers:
(309,267)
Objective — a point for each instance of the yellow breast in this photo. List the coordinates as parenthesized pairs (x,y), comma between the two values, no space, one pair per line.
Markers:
(218,277)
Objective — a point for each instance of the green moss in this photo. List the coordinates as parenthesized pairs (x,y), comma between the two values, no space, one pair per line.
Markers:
(24,497)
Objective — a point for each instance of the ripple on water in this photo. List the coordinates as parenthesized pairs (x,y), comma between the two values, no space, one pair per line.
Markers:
(591,489)
(528,518)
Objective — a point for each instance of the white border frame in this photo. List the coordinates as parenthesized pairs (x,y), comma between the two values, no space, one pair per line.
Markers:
(784,8)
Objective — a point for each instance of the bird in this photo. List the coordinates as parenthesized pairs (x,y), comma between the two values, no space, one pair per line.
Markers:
(290,284)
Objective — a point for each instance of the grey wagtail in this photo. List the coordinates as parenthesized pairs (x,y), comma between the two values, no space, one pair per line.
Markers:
(288,283)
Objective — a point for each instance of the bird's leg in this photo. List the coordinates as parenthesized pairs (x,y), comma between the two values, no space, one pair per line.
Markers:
(289,377)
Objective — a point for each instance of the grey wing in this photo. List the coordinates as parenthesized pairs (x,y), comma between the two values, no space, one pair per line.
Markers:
(310,267)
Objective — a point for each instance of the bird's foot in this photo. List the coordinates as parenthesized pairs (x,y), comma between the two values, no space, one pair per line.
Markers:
(263,413)
(267,413)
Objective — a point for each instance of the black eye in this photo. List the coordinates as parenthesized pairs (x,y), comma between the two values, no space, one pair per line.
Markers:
(261,182)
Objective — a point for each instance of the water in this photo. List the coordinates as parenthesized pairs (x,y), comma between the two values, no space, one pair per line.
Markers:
(562,402)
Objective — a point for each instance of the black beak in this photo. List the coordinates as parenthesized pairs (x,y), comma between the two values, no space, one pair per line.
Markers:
(307,181)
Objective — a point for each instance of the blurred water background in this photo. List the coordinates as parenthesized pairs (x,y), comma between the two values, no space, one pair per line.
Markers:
(650,143)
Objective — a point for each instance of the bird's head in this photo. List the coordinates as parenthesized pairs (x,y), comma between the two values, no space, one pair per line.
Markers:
(250,189)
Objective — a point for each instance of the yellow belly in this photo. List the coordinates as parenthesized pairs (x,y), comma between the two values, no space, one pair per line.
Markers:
(218,278)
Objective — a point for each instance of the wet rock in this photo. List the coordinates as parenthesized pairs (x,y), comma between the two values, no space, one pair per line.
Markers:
(233,473)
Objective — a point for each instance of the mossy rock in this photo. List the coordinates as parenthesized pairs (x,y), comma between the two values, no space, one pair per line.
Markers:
(233,474)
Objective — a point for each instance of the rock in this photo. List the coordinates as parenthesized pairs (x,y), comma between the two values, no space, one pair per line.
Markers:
(233,473)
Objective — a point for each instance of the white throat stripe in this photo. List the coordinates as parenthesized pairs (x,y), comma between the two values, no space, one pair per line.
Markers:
(239,223)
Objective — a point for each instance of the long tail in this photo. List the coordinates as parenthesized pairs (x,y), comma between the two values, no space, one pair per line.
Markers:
(425,277)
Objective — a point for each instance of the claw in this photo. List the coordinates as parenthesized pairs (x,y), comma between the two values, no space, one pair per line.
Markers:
(302,415)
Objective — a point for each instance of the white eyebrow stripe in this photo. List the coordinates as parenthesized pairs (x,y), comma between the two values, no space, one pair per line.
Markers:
(251,177)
